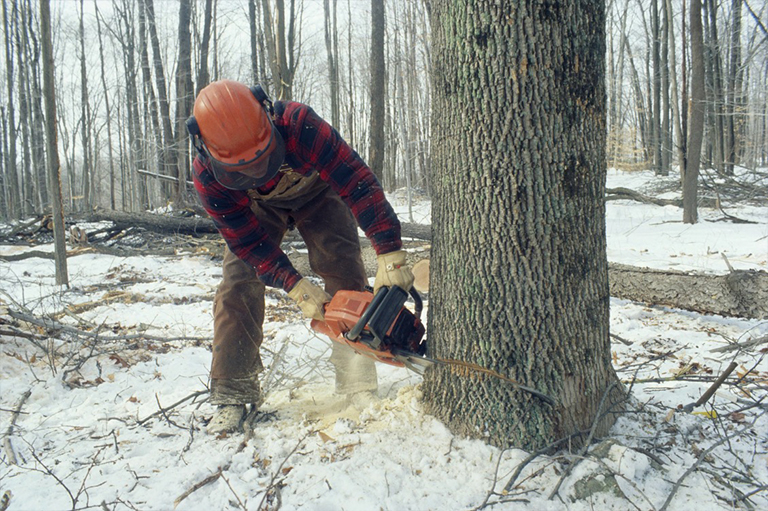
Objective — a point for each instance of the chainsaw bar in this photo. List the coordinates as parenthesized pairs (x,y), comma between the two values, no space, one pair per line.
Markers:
(419,364)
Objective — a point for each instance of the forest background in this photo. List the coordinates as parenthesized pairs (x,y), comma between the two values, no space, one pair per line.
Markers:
(127,72)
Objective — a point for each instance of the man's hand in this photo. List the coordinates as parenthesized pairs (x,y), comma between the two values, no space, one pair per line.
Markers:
(393,271)
(310,299)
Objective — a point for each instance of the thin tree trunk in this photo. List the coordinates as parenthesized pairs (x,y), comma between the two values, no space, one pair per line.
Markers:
(679,135)
(110,153)
(185,99)
(696,127)
(54,168)
(85,115)
(656,124)
(378,98)
(331,51)
(203,76)
(170,167)
(11,176)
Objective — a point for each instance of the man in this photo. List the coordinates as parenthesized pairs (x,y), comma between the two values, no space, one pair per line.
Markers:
(265,168)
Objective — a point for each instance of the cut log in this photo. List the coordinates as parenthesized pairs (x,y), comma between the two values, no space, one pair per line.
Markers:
(158,223)
(740,293)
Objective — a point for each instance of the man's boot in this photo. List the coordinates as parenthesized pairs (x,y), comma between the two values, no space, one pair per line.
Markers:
(226,419)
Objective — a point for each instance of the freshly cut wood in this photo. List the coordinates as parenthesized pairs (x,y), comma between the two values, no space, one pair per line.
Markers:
(740,293)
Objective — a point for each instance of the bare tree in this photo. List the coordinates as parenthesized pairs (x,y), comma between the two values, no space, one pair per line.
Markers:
(54,168)
(696,126)
(11,178)
(378,84)
(184,100)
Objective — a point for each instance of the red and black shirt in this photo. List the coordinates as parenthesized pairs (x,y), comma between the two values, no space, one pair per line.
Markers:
(311,144)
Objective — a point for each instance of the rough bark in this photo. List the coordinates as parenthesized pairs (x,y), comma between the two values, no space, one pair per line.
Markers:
(520,278)
(739,294)
(378,81)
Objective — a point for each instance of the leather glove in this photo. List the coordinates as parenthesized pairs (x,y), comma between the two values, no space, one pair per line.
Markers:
(310,298)
(393,271)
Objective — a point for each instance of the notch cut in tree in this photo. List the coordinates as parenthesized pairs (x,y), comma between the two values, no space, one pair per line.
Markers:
(519,279)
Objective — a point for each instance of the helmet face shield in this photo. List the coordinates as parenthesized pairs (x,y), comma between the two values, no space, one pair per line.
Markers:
(253,173)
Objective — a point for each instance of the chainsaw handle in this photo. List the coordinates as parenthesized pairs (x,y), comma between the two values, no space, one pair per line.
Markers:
(418,304)
(356,330)
(353,334)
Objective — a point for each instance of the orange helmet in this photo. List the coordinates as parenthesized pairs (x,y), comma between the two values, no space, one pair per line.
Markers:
(232,127)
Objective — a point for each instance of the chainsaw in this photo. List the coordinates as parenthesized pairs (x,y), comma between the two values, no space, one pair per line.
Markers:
(381,327)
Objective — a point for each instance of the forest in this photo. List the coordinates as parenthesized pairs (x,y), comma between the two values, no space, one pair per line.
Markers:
(126,73)
(582,193)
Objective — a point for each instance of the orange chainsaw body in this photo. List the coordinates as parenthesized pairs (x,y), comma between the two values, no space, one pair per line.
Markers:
(383,336)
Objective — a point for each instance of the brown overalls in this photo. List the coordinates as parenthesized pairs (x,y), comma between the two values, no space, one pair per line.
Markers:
(330,233)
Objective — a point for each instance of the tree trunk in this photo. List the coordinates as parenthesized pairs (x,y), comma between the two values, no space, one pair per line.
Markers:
(718,97)
(378,82)
(54,169)
(332,55)
(678,126)
(184,102)
(734,89)
(657,113)
(11,178)
(203,76)
(85,116)
(696,126)
(170,167)
(520,280)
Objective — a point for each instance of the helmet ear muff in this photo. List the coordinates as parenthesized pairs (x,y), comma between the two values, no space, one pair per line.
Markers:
(194,131)
(262,97)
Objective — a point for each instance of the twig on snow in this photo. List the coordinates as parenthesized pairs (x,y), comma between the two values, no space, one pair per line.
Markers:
(701,457)
(279,470)
(9,452)
(239,502)
(208,480)
(171,407)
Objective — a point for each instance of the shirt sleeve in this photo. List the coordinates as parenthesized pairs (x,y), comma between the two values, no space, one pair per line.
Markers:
(238,225)
(321,146)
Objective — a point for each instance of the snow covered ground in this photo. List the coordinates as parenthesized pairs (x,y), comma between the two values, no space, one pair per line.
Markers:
(89,435)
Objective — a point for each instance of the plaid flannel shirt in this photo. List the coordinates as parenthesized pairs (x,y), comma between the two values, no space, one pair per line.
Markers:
(311,144)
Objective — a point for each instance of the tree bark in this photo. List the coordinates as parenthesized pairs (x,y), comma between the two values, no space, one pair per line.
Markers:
(696,125)
(170,167)
(741,293)
(378,82)
(11,180)
(54,168)
(520,279)
(184,102)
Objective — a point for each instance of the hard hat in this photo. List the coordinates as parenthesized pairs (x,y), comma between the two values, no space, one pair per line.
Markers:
(237,134)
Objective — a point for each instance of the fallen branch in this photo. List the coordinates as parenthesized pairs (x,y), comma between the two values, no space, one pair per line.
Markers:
(701,458)
(279,470)
(208,480)
(9,452)
(163,411)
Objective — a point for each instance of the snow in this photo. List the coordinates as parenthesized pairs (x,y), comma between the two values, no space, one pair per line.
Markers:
(90,436)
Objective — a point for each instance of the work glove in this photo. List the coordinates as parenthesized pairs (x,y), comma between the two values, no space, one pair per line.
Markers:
(393,271)
(310,298)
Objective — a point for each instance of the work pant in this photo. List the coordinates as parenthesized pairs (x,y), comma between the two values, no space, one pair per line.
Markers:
(330,234)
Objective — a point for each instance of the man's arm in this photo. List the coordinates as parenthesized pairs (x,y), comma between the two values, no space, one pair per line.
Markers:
(321,146)
(232,215)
